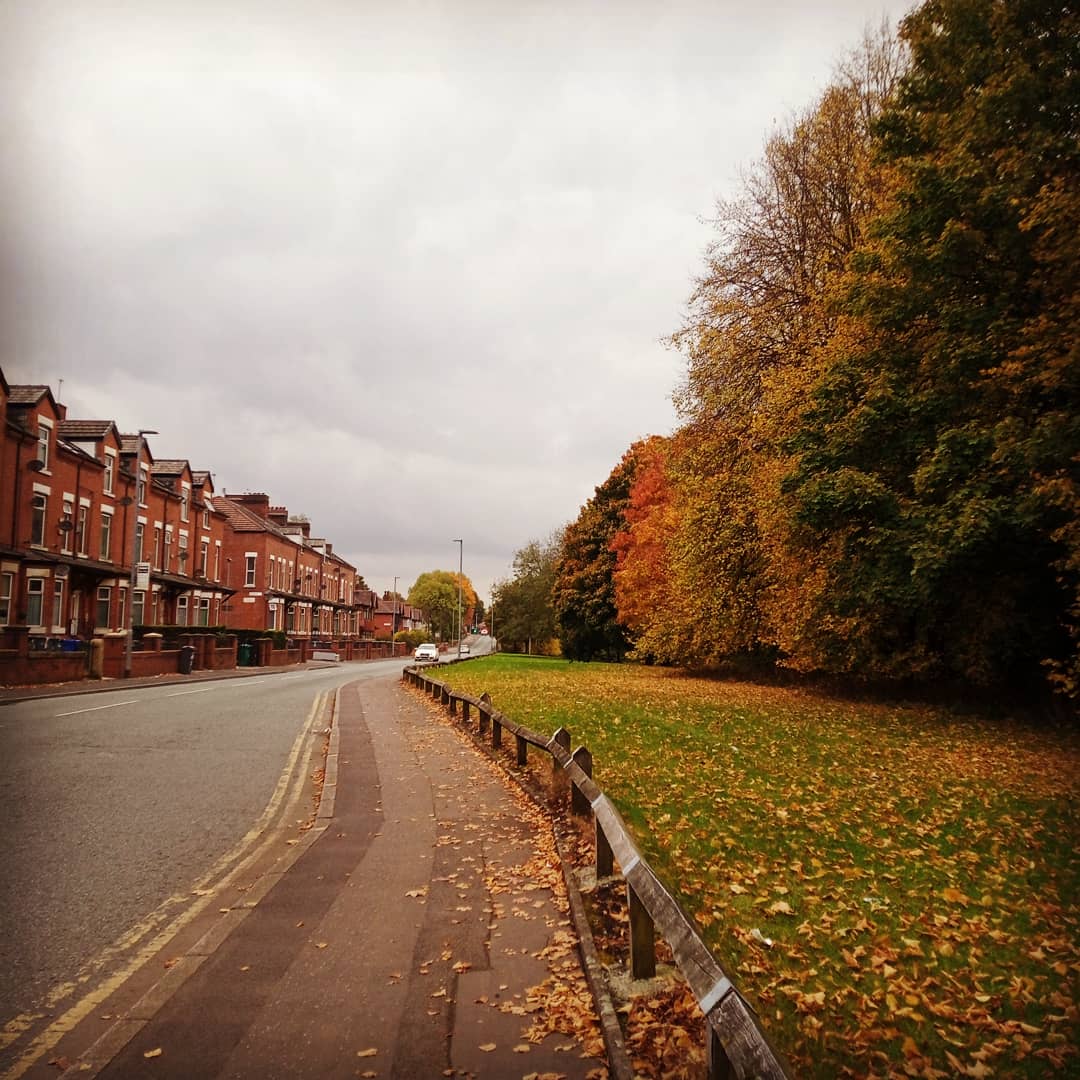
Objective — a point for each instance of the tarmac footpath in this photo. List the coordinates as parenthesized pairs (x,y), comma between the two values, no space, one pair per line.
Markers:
(423,933)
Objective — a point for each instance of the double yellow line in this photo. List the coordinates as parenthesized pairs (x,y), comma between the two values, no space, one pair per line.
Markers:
(278,812)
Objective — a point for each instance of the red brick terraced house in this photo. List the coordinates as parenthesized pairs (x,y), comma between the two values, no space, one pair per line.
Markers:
(81,503)
(285,579)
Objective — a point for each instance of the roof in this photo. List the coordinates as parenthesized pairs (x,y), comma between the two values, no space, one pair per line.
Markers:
(85,429)
(171,466)
(244,520)
(28,395)
(129,446)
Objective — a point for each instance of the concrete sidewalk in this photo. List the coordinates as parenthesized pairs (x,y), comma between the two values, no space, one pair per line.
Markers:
(423,931)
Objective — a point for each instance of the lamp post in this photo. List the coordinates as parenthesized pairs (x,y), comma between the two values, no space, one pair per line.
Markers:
(461,559)
(393,623)
(135,553)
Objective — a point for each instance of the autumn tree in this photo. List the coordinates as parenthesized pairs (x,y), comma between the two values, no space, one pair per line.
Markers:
(756,318)
(584,591)
(643,580)
(436,594)
(523,604)
(933,490)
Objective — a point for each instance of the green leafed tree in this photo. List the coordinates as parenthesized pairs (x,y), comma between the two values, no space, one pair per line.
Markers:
(586,611)
(933,492)
(525,619)
(436,593)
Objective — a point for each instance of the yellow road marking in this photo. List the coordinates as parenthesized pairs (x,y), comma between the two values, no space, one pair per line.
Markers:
(14,1028)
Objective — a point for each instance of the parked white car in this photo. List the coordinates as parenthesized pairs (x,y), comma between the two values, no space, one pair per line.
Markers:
(428,651)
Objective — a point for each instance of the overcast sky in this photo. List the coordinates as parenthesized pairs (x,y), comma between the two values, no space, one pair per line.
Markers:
(405,267)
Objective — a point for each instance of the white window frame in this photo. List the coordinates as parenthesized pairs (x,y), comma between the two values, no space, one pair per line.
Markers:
(185,501)
(7,588)
(44,435)
(58,605)
(39,514)
(251,560)
(67,514)
(82,529)
(109,480)
(35,587)
(104,596)
(105,541)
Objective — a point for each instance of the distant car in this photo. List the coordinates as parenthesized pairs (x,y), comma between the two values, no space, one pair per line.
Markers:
(428,651)
(463,649)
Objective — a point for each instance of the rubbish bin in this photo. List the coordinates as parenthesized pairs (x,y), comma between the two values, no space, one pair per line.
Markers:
(187,659)
(245,654)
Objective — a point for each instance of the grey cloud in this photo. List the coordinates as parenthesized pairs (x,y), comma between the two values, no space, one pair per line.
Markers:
(406,267)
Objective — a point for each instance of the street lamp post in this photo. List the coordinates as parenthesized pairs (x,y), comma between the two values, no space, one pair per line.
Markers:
(135,553)
(461,560)
(393,623)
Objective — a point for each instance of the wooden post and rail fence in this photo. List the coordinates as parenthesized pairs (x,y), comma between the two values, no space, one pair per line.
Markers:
(737,1045)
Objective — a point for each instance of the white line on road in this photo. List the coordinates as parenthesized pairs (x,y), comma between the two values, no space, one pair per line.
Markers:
(98,708)
(184,693)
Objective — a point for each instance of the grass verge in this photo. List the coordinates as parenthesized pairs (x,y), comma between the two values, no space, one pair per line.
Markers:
(894,888)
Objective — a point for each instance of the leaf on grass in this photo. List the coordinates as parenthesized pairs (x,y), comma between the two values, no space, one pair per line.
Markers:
(371,1051)
(487,1047)
(153,1053)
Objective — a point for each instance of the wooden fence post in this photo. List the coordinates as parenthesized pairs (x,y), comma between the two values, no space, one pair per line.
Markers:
(562,737)
(485,719)
(578,803)
(496,733)
(522,750)
(444,695)
(642,938)
(453,705)
(465,706)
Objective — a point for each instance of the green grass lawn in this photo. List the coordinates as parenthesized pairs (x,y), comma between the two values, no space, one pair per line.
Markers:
(916,871)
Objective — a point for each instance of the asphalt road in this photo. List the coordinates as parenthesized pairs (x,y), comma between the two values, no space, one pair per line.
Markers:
(112,803)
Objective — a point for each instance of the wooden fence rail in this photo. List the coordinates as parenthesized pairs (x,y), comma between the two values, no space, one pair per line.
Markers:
(738,1047)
